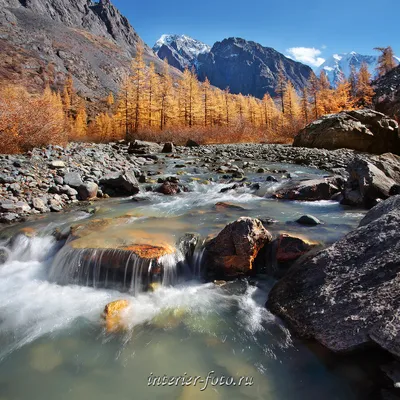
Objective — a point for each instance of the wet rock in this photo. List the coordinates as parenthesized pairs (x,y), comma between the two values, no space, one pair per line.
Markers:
(169,188)
(87,191)
(141,147)
(290,248)
(168,148)
(3,256)
(366,184)
(187,244)
(123,183)
(113,316)
(362,130)
(271,179)
(348,295)
(311,190)
(73,179)
(308,220)
(192,143)
(232,252)
(222,205)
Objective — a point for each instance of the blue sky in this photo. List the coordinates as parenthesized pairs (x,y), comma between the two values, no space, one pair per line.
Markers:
(313,29)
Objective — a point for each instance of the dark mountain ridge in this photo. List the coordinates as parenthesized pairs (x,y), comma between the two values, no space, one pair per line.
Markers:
(249,68)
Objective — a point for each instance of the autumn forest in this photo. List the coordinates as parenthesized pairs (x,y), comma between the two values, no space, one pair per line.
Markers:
(154,106)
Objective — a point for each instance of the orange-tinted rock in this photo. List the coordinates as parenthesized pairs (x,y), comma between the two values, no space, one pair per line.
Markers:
(149,251)
(233,251)
(28,231)
(290,248)
(113,315)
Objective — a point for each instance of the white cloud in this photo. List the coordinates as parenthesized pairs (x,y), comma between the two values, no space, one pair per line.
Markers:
(306,55)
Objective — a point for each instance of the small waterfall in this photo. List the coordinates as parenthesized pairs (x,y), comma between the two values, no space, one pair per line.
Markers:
(113,268)
(23,248)
(197,262)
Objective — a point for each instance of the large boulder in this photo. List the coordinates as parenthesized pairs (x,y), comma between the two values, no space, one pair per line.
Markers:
(348,295)
(361,130)
(231,254)
(310,190)
(367,183)
(87,190)
(122,183)
(140,147)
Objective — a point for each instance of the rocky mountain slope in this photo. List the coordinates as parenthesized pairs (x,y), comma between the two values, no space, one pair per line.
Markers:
(44,40)
(249,68)
(181,51)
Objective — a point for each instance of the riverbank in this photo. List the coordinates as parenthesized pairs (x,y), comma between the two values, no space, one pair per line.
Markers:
(56,178)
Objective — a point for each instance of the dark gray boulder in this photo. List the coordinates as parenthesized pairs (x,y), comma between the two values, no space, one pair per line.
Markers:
(308,220)
(310,190)
(142,148)
(73,179)
(348,295)
(362,130)
(168,148)
(88,190)
(192,143)
(122,183)
(367,183)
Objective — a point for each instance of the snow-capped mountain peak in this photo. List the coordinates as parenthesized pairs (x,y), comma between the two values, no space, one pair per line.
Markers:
(340,65)
(180,50)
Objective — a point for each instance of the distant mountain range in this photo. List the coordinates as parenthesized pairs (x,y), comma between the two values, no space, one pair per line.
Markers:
(245,67)
(340,65)
(181,51)
(42,41)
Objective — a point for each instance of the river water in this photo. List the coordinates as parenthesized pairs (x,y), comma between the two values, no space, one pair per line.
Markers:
(53,344)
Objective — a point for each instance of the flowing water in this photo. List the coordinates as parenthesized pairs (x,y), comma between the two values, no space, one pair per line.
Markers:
(53,344)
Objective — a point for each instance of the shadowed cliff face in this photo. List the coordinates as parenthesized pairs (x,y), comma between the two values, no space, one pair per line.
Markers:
(43,40)
(249,68)
(387,93)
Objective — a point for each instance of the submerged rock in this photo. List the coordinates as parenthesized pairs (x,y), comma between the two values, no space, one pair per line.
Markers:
(231,254)
(113,315)
(223,205)
(362,130)
(348,295)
